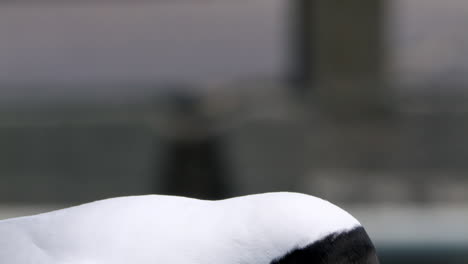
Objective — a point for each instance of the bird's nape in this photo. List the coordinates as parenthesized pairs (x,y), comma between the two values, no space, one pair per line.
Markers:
(168,229)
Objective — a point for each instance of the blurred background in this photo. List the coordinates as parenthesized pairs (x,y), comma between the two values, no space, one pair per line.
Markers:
(363,103)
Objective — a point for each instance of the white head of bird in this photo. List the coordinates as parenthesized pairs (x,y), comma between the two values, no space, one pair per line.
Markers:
(270,228)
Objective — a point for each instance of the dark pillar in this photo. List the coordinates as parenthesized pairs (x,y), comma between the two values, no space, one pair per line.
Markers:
(194,164)
(340,54)
(195,168)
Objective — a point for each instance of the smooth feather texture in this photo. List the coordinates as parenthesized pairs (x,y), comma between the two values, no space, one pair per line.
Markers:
(168,229)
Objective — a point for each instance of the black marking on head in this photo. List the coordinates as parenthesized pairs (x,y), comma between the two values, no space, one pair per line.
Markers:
(352,247)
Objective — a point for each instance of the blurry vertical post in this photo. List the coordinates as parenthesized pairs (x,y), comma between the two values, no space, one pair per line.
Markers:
(340,54)
(194,164)
(195,168)
(302,36)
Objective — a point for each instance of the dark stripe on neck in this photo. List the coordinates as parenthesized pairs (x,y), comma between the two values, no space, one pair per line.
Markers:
(351,247)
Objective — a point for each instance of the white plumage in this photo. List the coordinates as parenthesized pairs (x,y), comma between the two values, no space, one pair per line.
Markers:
(156,229)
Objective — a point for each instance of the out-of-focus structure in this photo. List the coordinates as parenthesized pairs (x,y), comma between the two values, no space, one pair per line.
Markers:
(362,103)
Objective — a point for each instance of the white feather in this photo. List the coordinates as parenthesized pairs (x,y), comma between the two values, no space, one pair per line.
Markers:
(167,229)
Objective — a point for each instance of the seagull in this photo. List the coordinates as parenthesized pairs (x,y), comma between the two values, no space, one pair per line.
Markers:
(269,228)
